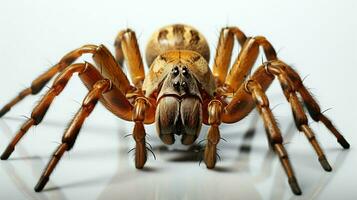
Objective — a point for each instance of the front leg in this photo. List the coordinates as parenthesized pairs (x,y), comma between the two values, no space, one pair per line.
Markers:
(139,132)
(213,137)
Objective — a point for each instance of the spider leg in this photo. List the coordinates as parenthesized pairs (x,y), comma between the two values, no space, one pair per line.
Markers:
(278,68)
(248,95)
(70,135)
(140,106)
(41,108)
(224,52)
(141,111)
(213,136)
(127,48)
(243,63)
(41,81)
(273,131)
(242,103)
(101,56)
(313,107)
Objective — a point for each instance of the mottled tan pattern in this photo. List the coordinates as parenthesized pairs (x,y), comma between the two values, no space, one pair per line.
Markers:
(176,37)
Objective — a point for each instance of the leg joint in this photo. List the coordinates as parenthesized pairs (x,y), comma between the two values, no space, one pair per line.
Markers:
(140,108)
(280,150)
(257,93)
(214,112)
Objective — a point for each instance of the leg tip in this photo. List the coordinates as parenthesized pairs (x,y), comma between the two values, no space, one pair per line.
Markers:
(294,186)
(41,183)
(210,164)
(343,142)
(3,111)
(324,163)
(140,162)
(7,153)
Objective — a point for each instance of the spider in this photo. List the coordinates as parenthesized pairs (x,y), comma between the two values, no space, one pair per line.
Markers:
(179,93)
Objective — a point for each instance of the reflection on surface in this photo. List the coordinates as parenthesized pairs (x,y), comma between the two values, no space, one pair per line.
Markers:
(34,162)
(176,173)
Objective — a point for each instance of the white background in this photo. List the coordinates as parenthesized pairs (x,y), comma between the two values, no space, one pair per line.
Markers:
(317,37)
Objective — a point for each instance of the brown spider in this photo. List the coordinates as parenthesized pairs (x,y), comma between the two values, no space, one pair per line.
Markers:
(179,93)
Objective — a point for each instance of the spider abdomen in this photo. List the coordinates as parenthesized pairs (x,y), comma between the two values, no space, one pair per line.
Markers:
(176,37)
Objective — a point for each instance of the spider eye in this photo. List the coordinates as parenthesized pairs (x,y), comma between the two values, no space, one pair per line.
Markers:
(175,71)
(184,85)
(177,85)
(185,71)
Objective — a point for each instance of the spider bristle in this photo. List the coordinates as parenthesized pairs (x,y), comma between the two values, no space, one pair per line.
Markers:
(326,110)
(313,96)
(201,141)
(131,150)
(276,121)
(74,100)
(56,142)
(149,145)
(279,104)
(26,117)
(127,135)
(219,157)
(199,163)
(280,49)
(305,77)
(223,139)
(72,120)
(151,152)
(148,136)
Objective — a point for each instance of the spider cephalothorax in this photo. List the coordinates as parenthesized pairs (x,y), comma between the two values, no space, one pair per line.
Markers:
(179,93)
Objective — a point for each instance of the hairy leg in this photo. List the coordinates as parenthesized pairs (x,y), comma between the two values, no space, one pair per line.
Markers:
(127,50)
(213,136)
(70,135)
(300,117)
(313,107)
(274,135)
(242,103)
(102,58)
(42,107)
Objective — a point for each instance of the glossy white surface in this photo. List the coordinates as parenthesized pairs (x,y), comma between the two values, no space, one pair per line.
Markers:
(317,38)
